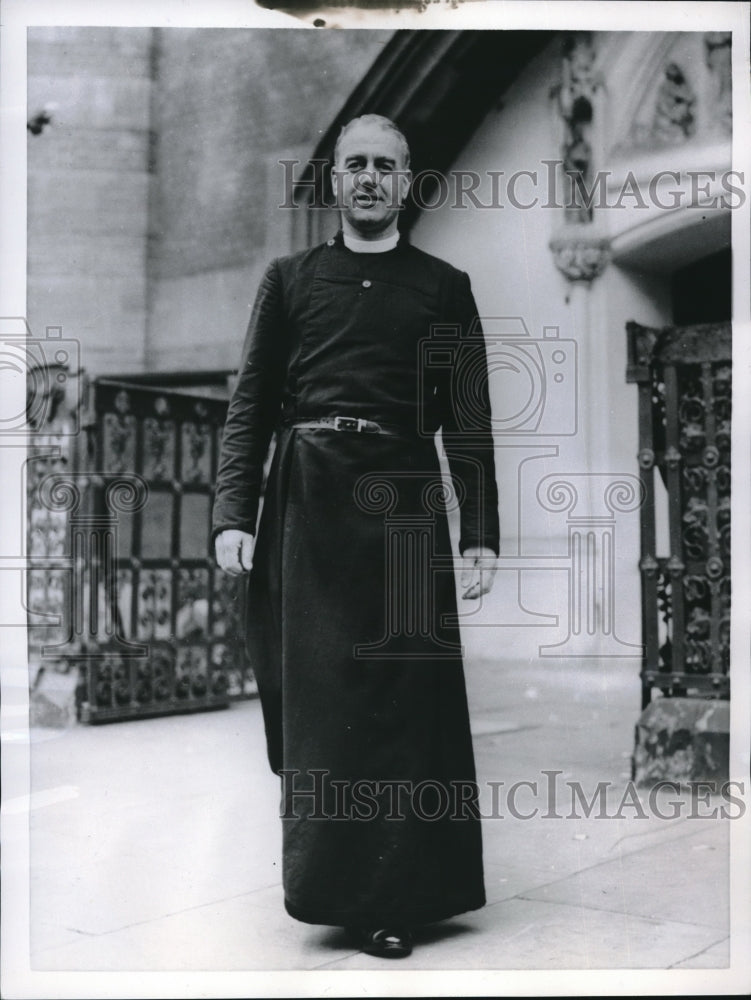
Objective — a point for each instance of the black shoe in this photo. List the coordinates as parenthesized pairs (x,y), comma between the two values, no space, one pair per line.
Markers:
(386,943)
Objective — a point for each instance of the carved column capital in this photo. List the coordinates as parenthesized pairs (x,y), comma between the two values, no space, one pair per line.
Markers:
(580,257)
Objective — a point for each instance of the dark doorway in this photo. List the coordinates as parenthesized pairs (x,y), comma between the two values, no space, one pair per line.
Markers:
(702,291)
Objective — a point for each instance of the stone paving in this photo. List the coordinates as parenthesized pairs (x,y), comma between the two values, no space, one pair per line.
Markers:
(155,846)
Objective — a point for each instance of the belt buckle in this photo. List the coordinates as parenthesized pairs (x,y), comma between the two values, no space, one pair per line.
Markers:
(347,424)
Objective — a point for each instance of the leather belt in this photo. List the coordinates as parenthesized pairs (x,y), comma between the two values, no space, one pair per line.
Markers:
(358,425)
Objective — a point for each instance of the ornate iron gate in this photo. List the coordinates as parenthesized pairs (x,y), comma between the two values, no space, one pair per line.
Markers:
(684,379)
(152,624)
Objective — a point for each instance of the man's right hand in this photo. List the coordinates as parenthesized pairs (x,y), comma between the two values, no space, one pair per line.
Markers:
(234,551)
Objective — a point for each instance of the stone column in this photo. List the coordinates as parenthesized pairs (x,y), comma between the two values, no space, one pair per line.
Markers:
(582,256)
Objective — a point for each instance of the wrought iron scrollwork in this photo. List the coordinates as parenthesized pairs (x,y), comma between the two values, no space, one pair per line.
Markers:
(159,448)
(684,377)
(146,467)
(196,452)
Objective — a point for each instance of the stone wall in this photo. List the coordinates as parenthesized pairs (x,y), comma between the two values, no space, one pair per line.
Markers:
(229,104)
(88,184)
(153,189)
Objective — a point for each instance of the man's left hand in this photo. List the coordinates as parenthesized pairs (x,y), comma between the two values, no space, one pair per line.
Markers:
(478,573)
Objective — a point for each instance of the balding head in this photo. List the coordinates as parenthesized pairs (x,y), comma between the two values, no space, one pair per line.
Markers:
(374,122)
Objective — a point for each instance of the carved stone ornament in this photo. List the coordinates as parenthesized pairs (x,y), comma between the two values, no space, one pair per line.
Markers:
(674,116)
(580,257)
(576,93)
(717,45)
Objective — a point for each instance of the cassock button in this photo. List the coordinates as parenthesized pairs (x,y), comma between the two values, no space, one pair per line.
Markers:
(329,243)
(366,284)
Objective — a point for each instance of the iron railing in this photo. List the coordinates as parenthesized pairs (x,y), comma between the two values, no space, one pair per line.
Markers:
(684,380)
(144,613)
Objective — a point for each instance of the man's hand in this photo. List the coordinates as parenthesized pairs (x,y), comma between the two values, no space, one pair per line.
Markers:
(478,573)
(234,551)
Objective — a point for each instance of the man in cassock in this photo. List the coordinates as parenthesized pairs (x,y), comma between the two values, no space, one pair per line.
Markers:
(358,351)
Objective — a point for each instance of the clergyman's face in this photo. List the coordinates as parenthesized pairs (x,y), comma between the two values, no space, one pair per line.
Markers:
(370,179)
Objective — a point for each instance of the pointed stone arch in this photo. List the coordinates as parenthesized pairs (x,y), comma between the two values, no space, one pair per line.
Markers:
(437,86)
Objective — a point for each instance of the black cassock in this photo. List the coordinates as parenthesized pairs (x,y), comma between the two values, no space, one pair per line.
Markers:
(352,628)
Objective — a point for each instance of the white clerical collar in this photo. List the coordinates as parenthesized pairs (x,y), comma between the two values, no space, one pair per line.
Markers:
(370,246)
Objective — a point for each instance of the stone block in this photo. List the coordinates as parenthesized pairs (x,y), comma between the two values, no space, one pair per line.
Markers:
(225,109)
(106,315)
(190,314)
(92,202)
(92,102)
(73,255)
(52,700)
(682,739)
(61,149)
(90,51)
